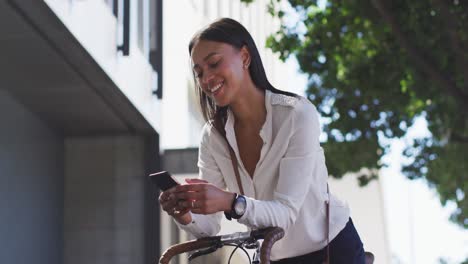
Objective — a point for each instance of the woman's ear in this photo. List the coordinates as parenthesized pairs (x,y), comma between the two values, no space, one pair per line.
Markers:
(245,55)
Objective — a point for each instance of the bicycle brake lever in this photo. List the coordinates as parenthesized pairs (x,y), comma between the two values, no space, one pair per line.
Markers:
(254,244)
(202,252)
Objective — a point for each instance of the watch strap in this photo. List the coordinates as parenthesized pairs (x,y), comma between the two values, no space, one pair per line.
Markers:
(228,215)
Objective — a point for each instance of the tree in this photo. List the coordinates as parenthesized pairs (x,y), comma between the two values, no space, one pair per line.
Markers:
(376,65)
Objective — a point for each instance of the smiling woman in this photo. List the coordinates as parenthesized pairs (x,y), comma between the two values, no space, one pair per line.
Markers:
(260,159)
(216,66)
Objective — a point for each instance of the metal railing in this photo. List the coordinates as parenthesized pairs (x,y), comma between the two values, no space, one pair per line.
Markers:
(125,45)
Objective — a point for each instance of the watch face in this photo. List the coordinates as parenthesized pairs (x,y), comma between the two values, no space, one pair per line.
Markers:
(240,205)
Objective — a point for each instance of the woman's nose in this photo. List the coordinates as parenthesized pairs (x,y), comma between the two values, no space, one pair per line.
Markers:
(206,78)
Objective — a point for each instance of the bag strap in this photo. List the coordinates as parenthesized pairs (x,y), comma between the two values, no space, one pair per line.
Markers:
(235,166)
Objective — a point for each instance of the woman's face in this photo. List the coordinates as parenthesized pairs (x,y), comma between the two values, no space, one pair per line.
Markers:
(219,70)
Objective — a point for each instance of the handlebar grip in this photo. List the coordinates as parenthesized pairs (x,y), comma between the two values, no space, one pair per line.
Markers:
(272,234)
(186,247)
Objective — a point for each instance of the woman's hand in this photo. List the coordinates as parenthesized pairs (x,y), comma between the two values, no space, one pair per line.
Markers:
(202,197)
(169,204)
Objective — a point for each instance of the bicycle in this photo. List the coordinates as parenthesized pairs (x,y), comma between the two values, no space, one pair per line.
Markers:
(242,240)
(249,240)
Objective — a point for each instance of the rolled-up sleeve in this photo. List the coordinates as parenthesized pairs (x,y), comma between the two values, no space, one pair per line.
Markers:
(296,173)
(206,225)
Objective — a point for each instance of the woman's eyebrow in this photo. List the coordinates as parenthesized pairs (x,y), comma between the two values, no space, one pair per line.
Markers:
(205,59)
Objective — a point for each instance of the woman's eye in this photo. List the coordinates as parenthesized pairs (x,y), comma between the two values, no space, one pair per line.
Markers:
(213,65)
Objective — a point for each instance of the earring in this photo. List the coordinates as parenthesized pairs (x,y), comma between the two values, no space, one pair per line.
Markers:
(246,66)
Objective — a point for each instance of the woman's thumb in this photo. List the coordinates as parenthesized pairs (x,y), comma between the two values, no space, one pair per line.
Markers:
(195,180)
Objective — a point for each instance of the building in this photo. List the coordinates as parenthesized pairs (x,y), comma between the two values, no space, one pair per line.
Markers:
(79,130)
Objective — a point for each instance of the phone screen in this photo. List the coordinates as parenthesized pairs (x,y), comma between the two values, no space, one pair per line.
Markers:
(163,180)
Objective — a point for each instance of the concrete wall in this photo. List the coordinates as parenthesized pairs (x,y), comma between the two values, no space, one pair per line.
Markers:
(105,181)
(31,193)
(83,201)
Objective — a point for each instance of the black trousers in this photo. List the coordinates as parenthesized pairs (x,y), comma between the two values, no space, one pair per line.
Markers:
(345,248)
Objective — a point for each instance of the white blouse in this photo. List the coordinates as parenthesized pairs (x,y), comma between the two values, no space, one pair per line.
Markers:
(289,185)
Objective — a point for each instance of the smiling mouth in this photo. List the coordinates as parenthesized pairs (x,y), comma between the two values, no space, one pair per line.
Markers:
(216,88)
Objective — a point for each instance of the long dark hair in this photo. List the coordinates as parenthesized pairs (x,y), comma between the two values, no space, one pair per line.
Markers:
(229,31)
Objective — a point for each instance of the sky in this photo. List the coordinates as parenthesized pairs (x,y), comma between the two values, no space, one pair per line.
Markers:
(417,221)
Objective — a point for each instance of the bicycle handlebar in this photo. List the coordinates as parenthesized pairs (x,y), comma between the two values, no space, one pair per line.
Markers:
(269,235)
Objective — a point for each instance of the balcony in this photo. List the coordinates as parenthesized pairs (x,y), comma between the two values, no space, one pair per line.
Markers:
(61,59)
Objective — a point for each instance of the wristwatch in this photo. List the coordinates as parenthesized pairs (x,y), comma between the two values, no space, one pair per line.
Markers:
(238,207)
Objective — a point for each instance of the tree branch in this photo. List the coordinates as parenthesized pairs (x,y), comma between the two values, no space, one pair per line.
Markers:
(422,62)
(458,138)
(461,57)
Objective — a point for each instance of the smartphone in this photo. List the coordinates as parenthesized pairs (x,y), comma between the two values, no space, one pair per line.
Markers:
(163,180)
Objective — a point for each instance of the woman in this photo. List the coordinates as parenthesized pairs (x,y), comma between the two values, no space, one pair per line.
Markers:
(274,138)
